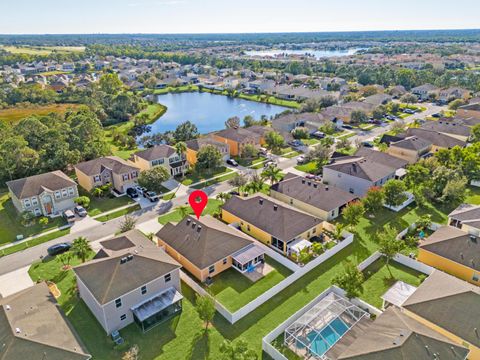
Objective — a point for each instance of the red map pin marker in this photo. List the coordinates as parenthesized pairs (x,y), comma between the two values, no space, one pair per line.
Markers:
(198,200)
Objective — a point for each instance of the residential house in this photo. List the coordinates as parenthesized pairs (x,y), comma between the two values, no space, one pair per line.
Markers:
(271,221)
(425,91)
(161,155)
(378,99)
(449,306)
(452,93)
(325,202)
(397,91)
(344,111)
(238,138)
(194,146)
(467,218)
(471,110)
(448,127)
(439,140)
(410,149)
(33,327)
(454,251)
(107,170)
(206,247)
(47,194)
(394,335)
(356,174)
(130,280)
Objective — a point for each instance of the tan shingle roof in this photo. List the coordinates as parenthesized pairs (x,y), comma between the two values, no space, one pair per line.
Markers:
(450,303)
(436,138)
(238,135)
(156,152)
(108,279)
(274,217)
(412,143)
(37,184)
(204,245)
(197,144)
(96,166)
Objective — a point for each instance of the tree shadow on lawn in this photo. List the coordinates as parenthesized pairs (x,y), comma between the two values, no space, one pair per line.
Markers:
(200,347)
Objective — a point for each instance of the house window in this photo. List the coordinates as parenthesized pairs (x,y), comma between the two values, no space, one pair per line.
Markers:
(291,201)
(70,191)
(37,212)
(34,201)
(118,303)
(158,162)
(26,202)
(476,276)
(143,289)
(248,227)
(211,269)
(225,261)
(125,177)
(64,193)
(134,174)
(123,317)
(96,178)
(168,277)
(57,195)
(314,230)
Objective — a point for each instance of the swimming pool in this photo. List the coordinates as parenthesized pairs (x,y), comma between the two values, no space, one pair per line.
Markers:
(323,340)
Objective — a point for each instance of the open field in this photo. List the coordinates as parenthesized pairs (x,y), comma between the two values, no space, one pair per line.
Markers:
(42,50)
(18,113)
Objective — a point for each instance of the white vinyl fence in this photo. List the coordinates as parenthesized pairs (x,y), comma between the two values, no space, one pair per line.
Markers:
(401,259)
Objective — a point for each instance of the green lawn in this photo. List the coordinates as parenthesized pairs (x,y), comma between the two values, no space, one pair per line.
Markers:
(176,216)
(378,280)
(291,154)
(225,177)
(118,213)
(194,176)
(310,167)
(36,241)
(183,338)
(311,141)
(103,204)
(235,290)
(10,225)
(473,195)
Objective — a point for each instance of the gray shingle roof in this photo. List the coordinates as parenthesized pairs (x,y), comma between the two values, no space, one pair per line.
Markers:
(197,144)
(321,196)
(450,303)
(205,243)
(412,143)
(156,152)
(238,135)
(37,184)
(448,127)
(274,217)
(96,166)
(108,279)
(436,138)
(396,336)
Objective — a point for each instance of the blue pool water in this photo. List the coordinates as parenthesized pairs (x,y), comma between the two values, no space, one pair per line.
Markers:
(331,333)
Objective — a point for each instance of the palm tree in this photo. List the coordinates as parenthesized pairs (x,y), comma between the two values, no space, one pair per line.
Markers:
(255,185)
(272,173)
(97,192)
(81,248)
(223,197)
(181,149)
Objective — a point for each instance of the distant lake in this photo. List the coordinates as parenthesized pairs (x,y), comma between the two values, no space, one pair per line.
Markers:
(316,53)
(208,111)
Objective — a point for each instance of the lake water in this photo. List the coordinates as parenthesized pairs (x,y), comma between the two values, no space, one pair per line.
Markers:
(208,111)
(316,53)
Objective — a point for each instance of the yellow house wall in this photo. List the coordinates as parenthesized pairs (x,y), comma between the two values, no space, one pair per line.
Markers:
(408,155)
(84,180)
(446,265)
(474,351)
(191,156)
(200,274)
(322,214)
(233,145)
(141,163)
(261,235)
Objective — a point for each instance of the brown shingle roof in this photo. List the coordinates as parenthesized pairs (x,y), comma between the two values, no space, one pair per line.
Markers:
(450,303)
(274,217)
(44,332)
(313,193)
(197,144)
(412,143)
(108,279)
(238,135)
(448,127)
(36,184)
(456,245)
(96,166)
(205,243)
(396,336)
(156,152)
(436,138)
(468,214)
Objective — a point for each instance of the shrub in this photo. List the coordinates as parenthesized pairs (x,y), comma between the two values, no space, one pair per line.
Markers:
(83,201)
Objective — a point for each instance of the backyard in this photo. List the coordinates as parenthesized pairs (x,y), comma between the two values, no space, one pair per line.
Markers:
(378,280)
(234,290)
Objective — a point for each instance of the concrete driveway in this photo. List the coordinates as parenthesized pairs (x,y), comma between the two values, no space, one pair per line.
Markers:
(82,224)
(15,281)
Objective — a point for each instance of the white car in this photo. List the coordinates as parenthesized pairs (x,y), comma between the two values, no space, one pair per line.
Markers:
(301,159)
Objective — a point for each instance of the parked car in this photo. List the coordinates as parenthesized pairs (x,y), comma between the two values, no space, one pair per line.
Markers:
(347,127)
(263,152)
(151,195)
(295,143)
(140,190)
(409,111)
(234,193)
(310,176)
(69,215)
(301,159)
(132,192)
(232,162)
(436,115)
(318,134)
(80,211)
(390,117)
(58,248)
(269,163)
(368,144)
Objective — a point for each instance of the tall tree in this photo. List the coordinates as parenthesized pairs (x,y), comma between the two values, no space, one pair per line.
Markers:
(272,173)
(239,350)
(373,200)
(274,141)
(153,178)
(181,149)
(205,306)
(81,248)
(186,131)
(209,158)
(389,245)
(351,280)
(352,213)
(394,192)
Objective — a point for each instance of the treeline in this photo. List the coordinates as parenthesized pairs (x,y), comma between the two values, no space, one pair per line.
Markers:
(8,58)
(38,144)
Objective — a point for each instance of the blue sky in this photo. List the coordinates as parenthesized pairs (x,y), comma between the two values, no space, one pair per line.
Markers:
(210,16)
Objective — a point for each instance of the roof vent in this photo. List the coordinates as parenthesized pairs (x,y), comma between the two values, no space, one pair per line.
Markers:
(199,227)
(473,238)
(461,255)
(193,225)
(275,207)
(8,307)
(18,331)
(303,181)
(129,257)
(123,260)
(326,188)
(188,221)
(309,183)
(260,201)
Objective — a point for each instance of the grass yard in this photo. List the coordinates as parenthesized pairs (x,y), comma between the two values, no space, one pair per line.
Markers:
(473,195)
(311,141)
(10,225)
(42,50)
(235,290)
(271,100)
(36,241)
(310,167)
(220,179)
(291,154)
(194,176)
(18,113)
(118,213)
(103,204)
(378,279)
(176,216)
(175,89)
(346,136)
(184,338)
